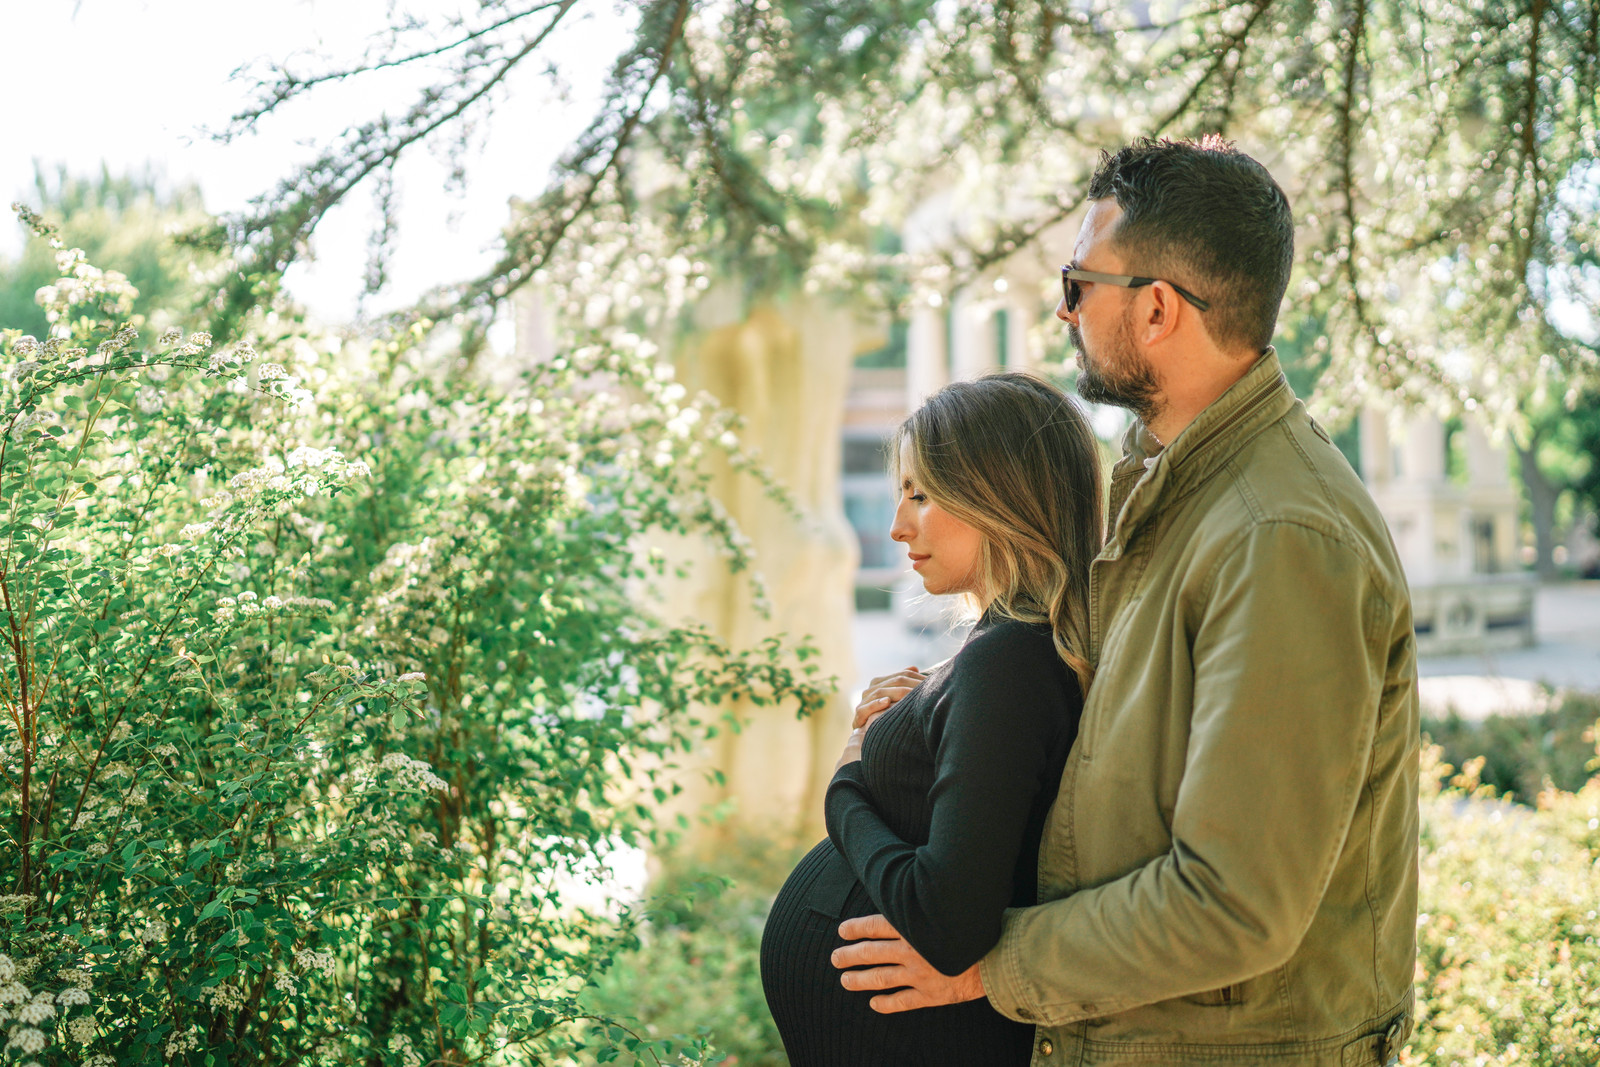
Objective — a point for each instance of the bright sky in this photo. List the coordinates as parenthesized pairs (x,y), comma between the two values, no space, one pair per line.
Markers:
(131,82)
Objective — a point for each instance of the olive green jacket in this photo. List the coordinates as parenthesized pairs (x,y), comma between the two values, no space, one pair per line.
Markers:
(1229,873)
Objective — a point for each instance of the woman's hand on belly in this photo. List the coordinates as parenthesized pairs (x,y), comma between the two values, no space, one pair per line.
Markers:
(882,693)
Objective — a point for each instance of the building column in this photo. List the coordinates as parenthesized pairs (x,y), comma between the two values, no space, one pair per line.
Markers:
(972,337)
(927,363)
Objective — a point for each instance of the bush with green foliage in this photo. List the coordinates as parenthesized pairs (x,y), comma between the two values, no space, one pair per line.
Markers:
(1508,968)
(326,678)
(1521,755)
(695,971)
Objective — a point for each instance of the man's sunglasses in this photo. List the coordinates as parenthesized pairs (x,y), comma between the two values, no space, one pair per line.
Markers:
(1072,292)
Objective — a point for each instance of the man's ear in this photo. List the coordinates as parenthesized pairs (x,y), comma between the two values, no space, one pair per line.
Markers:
(1161,317)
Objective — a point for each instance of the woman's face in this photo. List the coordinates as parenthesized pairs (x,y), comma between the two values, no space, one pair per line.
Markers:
(944,550)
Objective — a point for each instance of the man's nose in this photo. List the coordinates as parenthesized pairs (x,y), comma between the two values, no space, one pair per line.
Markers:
(1063,314)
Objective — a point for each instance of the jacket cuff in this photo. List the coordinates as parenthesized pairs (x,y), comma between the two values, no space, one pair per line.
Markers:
(1002,976)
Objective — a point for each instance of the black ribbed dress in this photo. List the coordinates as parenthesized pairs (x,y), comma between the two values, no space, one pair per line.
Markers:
(937,827)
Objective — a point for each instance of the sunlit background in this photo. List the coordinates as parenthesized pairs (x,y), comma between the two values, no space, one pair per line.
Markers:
(875,263)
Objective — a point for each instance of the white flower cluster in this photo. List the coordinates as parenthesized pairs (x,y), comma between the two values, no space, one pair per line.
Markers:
(31,1013)
(412,773)
(248,605)
(226,997)
(178,1043)
(400,1044)
(311,960)
(40,1008)
(410,583)
(81,1029)
(154,932)
(27,422)
(309,472)
(27,1039)
(82,283)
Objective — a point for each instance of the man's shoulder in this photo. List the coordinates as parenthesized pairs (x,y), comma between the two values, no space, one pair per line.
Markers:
(1292,476)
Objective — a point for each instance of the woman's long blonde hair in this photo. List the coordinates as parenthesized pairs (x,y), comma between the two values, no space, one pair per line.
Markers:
(1012,456)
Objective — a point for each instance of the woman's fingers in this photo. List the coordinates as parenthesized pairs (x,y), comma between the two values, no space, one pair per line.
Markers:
(868,710)
(882,692)
(906,676)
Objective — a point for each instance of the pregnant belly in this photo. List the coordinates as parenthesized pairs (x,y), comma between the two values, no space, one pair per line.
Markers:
(824,884)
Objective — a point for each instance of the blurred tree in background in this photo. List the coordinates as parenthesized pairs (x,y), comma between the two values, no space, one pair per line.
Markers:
(124,223)
(1440,156)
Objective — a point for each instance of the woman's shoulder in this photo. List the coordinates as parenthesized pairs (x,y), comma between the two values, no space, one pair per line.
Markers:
(1011,651)
(997,637)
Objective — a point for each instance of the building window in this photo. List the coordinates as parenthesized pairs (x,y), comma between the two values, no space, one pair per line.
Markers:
(869,501)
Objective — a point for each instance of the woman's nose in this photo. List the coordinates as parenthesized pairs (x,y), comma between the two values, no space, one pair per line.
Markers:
(900,529)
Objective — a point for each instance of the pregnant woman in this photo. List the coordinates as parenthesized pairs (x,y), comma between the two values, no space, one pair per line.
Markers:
(935,812)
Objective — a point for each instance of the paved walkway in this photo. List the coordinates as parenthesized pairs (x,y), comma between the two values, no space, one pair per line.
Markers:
(1566,618)
(1567,621)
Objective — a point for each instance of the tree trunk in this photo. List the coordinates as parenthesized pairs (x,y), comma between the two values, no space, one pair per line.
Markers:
(784,366)
(1542,494)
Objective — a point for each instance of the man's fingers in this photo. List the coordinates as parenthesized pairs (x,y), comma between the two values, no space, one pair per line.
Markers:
(875,978)
(867,926)
(870,954)
(904,1000)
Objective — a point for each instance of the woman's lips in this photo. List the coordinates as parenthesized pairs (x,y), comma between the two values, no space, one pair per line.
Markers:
(917,561)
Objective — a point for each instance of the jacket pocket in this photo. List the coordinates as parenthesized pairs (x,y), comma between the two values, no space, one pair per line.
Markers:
(1227,997)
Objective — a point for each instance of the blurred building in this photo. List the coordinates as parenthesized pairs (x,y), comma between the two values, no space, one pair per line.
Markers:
(1455,526)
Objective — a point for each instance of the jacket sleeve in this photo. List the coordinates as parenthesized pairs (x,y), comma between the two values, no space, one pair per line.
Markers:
(1006,713)
(1288,669)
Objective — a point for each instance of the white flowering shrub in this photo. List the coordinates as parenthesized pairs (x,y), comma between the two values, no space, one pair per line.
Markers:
(323,677)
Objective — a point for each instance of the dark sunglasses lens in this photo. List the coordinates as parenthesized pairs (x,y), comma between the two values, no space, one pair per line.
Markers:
(1073,292)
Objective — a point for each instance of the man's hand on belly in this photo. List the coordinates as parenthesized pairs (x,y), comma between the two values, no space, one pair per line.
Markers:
(891,963)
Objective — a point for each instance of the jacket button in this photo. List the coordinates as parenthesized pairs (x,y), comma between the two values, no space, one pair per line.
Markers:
(1047,1047)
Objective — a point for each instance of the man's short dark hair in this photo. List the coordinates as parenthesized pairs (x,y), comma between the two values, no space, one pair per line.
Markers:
(1205,216)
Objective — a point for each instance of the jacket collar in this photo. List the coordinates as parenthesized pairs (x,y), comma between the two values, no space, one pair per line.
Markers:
(1139,488)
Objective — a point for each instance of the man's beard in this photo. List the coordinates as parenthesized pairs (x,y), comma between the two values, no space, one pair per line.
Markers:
(1118,375)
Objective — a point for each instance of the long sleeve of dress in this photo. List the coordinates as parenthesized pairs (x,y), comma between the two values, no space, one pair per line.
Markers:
(1002,726)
